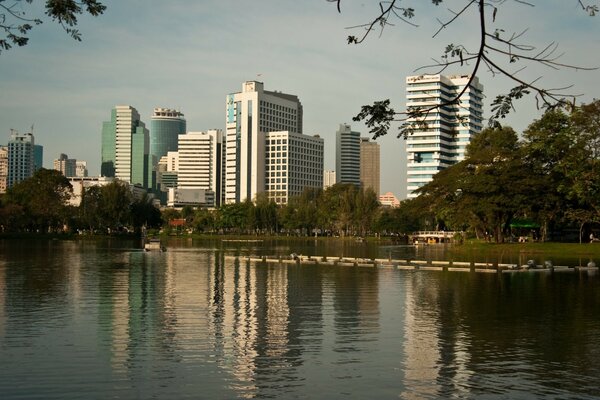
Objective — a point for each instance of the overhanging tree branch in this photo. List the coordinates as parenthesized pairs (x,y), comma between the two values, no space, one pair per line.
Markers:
(380,116)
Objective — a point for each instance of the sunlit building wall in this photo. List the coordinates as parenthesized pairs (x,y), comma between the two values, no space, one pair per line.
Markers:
(250,114)
(3,168)
(370,165)
(293,161)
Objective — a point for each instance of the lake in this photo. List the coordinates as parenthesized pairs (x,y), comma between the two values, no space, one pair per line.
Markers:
(102,319)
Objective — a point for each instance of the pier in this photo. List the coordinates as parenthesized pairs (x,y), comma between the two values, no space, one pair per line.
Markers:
(414,265)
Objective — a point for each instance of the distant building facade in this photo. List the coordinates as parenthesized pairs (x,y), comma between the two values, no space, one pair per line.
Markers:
(165,127)
(38,157)
(67,166)
(347,155)
(3,168)
(250,114)
(370,165)
(81,169)
(200,162)
(449,129)
(328,179)
(389,200)
(126,148)
(293,161)
(20,158)
(81,183)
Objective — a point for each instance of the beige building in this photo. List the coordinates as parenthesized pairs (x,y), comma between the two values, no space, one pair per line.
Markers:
(369,165)
(3,168)
(389,200)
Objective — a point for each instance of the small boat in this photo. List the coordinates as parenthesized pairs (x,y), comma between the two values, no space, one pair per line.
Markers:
(154,245)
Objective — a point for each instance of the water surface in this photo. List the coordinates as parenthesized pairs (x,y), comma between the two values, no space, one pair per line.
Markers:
(103,319)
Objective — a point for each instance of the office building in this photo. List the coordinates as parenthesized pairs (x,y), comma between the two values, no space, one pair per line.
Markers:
(3,168)
(20,157)
(250,114)
(199,162)
(165,127)
(449,128)
(126,147)
(369,165)
(347,155)
(38,157)
(328,179)
(166,171)
(81,169)
(293,161)
(67,166)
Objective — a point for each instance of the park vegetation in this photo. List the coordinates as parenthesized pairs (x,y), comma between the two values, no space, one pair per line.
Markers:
(545,182)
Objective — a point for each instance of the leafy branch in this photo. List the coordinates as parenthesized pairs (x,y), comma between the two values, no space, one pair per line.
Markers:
(15,23)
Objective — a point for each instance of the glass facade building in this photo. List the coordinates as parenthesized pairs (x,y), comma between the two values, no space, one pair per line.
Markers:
(165,127)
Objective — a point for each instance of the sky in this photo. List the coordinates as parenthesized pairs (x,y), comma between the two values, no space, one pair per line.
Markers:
(189,55)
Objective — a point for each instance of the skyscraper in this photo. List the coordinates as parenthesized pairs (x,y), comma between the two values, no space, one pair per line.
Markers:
(347,155)
(250,114)
(125,148)
(369,165)
(449,129)
(165,127)
(20,157)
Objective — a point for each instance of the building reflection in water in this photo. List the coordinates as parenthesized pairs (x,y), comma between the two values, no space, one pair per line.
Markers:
(435,345)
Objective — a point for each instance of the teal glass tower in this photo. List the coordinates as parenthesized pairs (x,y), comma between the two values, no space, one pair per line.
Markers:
(165,127)
(125,148)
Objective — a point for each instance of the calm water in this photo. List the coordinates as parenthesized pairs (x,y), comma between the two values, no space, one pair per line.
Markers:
(99,320)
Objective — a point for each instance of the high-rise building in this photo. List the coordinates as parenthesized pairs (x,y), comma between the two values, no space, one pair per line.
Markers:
(165,127)
(20,157)
(250,114)
(448,129)
(200,158)
(67,166)
(347,155)
(126,147)
(328,179)
(293,161)
(369,165)
(3,168)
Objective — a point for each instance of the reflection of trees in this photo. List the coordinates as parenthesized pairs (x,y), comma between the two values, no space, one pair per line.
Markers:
(534,325)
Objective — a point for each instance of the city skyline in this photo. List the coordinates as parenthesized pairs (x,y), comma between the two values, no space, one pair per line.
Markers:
(65,88)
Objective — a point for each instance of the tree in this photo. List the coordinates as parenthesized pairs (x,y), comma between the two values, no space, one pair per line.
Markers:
(547,149)
(584,170)
(498,50)
(16,23)
(144,213)
(115,202)
(487,189)
(43,198)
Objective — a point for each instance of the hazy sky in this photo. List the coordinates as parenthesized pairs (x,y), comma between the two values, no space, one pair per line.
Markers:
(190,54)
